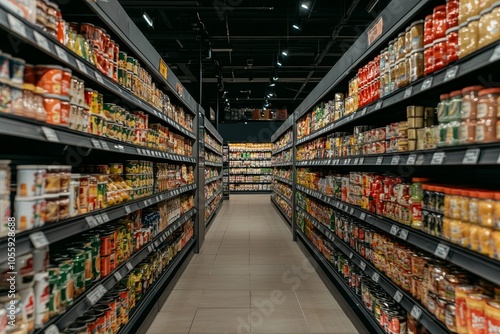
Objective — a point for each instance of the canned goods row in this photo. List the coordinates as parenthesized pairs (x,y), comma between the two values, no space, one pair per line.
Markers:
(322,115)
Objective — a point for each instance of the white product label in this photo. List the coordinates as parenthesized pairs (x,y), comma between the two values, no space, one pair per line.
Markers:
(395,160)
(427,83)
(98,77)
(50,134)
(398,296)
(52,329)
(408,92)
(16,25)
(41,41)
(362,265)
(127,210)
(466,109)
(442,251)
(480,133)
(105,217)
(375,277)
(496,54)
(95,295)
(81,67)
(411,159)
(129,266)
(118,276)
(394,229)
(438,158)
(96,143)
(104,145)
(451,73)
(380,160)
(403,234)
(91,221)
(416,312)
(482,110)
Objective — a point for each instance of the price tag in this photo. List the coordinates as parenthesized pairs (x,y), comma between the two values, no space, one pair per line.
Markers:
(99,219)
(95,295)
(104,145)
(438,158)
(380,160)
(146,203)
(98,77)
(379,105)
(442,251)
(362,216)
(356,161)
(345,162)
(420,160)
(451,73)
(127,209)
(471,156)
(96,143)
(41,40)
(398,296)
(375,277)
(362,265)
(351,255)
(105,217)
(62,54)
(118,276)
(91,221)
(82,67)
(363,112)
(411,159)
(129,266)
(50,134)
(403,234)
(416,312)
(408,92)
(120,148)
(395,160)
(361,161)
(17,26)
(150,248)
(39,240)
(427,83)
(351,211)
(394,229)
(496,54)
(52,329)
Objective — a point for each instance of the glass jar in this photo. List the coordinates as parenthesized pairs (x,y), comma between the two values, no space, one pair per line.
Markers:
(485,4)
(446,202)
(416,64)
(408,46)
(393,79)
(439,199)
(467,131)
(384,60)
(455,106)
(439,50)
(487,115)
(489,26)
(452,48)
(484,237)
(452,130)
(392,54)
(429,59)
(417,35)
(473,207)
(464,206)
(400,47)
(486,209)
(400,74)
(439,24)
(468,8)
(442,108)
(455,198)
(470,37)
(470,96)
(497,211)
(428,34)
(452,12)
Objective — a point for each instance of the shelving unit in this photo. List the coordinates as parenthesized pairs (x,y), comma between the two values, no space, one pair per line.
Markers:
(467,166)
(225,172)
(251,157)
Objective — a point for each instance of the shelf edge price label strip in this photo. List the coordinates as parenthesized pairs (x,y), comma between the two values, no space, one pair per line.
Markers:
(118,276)
(395,160)
(438,158)
(380,160)
(129,266)
(496,54)
(411,160)
(471,156)
(408,92)
(41,41)
(375,277)
(451,73)
(82,67)
(362,265)
(442,251)
(91,221)
(398,296)
(17,26)
(96,143)
(50,134)
(95,295)
(52,329)
(427,83)
(39,240)
(416,312)
(62,54)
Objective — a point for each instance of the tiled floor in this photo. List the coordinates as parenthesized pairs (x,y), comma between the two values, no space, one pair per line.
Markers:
(250,277)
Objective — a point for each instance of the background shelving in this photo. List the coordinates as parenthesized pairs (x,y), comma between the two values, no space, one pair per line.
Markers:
(249,167)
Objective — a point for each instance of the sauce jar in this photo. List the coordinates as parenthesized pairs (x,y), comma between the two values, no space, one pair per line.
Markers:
(489,26)
(452,47)
(439,50)
(399,47)
(429,59)
(473,207)
(408,47)
(416,64)
(476,304)
(468,8)
(487,115)
(492,315)
(439,24)
(486,209)
(452,12)
(468,36)
(455,106)
(470,96)
(484,240)
(417,35)
(428,33)
(442,108)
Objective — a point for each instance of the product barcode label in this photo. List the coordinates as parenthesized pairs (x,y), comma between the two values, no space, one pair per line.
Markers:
(146,203)
(420,160)
(81,67)
(105,217)
(427,83)
(356,161)
(403,234)
(129,266)
(62,54)
(96,143)
(408,92)
(442,251)
(438,158)
(416,312)
(362,265)
(41,41)
(375,277)
(16,25)
(451,73)
(118,276)
(395,160)
(99,219)
(394,229)
(95,295)
(39,240)
(496,54)
(471,156)
(411,159)
(50,134)
(351,211)
(398,296)
(150,248)
(104,145)
(120,148)
(379,105)
(380,160)
(98,77)
(52,329)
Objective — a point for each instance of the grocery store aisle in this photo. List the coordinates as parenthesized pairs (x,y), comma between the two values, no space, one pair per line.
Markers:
(250,277)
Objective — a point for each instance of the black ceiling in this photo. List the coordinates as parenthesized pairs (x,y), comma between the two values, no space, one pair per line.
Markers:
(245,38)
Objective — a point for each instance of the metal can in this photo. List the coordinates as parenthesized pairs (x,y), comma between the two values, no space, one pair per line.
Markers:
(122,59)
(90,321)
(397,324)
(55,292)
(107,329)
(79,271)
(78,327)
(105,265)
(109,302)
(450,318)
(124,307)
(67,282)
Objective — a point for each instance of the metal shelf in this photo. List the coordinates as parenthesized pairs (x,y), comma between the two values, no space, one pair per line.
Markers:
(213,164)
(41,40)
(479,264)
(211,198)
(250,191)
(245,182)
(67,228)
(92,295)
(341,284)
(283,128)
(234,167)
(213,131)
(283,180)
(284,148)
(155,289)
(480,59)
(255,159)
(212,179)
(287,219)
(252,174)
(428,320)
(213,149)
(213,214)
(485,154)
(283,164)
(286,199)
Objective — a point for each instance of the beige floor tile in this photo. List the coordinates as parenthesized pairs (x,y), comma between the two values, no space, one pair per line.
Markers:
(268,259)
(191,282)
(314,299)
(234,269)
(233,251)
(326,321)
(197,269)
(278,321)
(279,298)
(267,269)
(220,320)
(232,259)
(183,299)
(225,298)
(270,282)
(178,320)
(203,259)
(228,282)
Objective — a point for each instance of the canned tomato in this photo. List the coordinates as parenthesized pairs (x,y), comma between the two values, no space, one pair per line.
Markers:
(83,195)
(107,329)
(476,321)
(492,313)
(90,321)
(106,243)
(124,307)
(450,317)
(79,270)
(109,302)
(78,327)
(105,265)
(461,293)
(67,283)
(49,78)
(100,320)
(397,324)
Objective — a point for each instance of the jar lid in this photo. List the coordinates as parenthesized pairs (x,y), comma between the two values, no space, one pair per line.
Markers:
(485,194)
(451,30)
(417,50)
(462,25)
(418,22)
(465,192)
(455,93)
(471,89)
(497,195)
(420,179)
(473,18)
(489,91)
(428,17)
(57,67)
(428,46)
(401,34)
(455,191)
(441,40)
(439,8)
(444,96)
(486,11)
(495,5)
(51,196)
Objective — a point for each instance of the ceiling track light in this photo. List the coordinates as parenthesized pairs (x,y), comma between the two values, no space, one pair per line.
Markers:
(284,53)
(272,84)
(296,26)
(305,6)
(148,20)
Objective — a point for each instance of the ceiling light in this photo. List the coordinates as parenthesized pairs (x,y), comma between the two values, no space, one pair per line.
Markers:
(284,53)
(272,84)
(304,6)
(275,76)
(148,19)
(278,63)
(296,26)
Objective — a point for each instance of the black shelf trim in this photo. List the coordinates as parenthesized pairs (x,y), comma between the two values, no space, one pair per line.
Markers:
(283,180)
(283,164)
(213,164)
(212,179)
(278,208)
(244,182)
(286,199)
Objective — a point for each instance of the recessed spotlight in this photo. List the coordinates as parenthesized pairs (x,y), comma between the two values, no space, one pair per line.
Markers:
(148,20)
(296,26)
(284,53)
(272,84)
(278,63)
(304,6)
